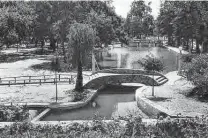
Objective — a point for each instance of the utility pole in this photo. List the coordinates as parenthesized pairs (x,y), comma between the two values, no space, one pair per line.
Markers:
(56,74)
(93,62)
(153,91)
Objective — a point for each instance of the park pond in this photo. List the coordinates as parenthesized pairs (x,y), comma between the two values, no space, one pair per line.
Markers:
(127,57)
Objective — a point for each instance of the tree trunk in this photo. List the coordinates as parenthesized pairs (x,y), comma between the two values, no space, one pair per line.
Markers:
(63,49)
(197,46)
(53,44)
(169,40)
(178,41)
(42,44)
(192,44)
(189,46)
(36,42)
(79,81)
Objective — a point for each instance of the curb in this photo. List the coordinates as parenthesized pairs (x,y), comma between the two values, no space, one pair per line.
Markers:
(150,108)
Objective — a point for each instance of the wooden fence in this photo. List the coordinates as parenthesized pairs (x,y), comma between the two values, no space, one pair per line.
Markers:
(59,78)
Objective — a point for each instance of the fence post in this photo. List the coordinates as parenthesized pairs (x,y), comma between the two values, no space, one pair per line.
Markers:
(54,81)
(69,81)
(29,78)
(9,83)
(40,81)
(59,77)
(71,78)
(24,82)
(44,78)
(15,79)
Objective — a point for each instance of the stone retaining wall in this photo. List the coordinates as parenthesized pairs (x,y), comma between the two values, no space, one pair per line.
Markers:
(118,79)
(148,107)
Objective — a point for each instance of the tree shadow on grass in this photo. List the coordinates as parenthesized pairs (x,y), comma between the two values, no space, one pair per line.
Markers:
(9,58)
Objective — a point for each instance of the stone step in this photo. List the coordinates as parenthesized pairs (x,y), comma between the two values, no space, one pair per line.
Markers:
(161,79)
(158,78)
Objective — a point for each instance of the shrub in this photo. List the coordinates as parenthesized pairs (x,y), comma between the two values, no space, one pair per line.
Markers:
(78,96)
(151,63)
(13,113)
(197,73)
(166,128)
(187,57)
(159,43)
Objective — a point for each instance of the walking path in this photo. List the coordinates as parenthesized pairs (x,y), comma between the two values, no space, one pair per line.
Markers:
(171,96)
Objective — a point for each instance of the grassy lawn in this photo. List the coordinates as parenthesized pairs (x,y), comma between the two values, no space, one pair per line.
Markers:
(29,93)
(34,93)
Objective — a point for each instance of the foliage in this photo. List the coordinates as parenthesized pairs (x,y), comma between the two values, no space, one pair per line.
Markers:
(159,43)
(139,20)
(151,63)
(103,26)
(16,21)
(187,57)
(165,128)
(79,96)
(184,19)
(13,113)
(197,73)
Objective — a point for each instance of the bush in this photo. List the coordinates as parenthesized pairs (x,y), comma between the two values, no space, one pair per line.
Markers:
(197,73)
(159,43)
(187,57)
(151,64)
(78,96)
(166,128)
(13,113)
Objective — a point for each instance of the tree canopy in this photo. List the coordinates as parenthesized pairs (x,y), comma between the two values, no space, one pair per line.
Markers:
(183,19)
(139,20)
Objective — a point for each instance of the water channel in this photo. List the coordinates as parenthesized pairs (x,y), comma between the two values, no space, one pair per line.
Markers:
(113,101)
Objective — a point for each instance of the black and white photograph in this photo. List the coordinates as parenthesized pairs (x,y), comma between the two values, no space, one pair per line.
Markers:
(103,69)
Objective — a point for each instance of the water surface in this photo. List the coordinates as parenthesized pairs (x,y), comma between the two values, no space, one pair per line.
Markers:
(127,57)
(110,103)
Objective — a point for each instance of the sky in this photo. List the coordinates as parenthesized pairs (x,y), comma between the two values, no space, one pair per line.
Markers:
(122,7)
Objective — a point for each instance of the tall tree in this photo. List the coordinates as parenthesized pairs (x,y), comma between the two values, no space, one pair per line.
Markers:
(139,20)
(81,38)
(183,19)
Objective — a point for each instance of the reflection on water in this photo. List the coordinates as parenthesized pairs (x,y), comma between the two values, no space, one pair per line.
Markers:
(128,57)
(110,102)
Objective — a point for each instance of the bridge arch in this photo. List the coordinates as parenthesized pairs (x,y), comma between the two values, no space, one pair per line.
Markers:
(117,76)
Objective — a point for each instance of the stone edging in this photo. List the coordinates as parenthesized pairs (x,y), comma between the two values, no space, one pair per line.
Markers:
(41,115)
(62,106)
(72,105)
(69,106)
(129,71)
(150,108)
